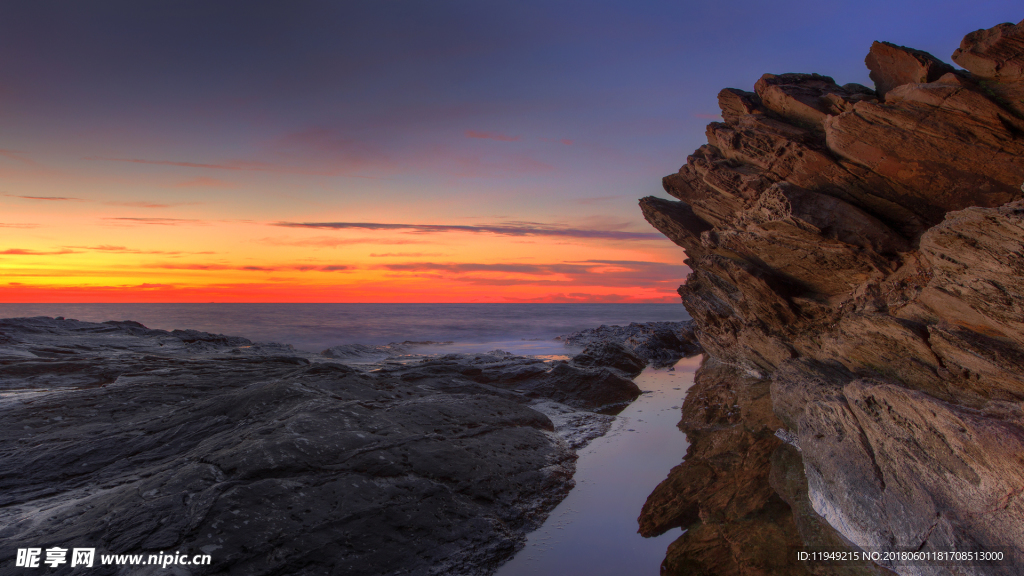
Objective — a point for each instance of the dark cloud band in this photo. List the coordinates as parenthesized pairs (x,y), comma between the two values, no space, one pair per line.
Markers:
(517,230)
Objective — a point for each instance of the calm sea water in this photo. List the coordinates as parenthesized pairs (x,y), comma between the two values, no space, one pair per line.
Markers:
(593,532)
(517,328)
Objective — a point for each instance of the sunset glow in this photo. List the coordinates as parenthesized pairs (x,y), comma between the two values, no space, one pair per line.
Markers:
(377,152)
(100,254)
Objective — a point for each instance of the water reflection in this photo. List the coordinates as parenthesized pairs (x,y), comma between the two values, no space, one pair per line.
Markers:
(593,531)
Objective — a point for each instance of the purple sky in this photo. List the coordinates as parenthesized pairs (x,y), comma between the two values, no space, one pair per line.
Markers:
(469,113)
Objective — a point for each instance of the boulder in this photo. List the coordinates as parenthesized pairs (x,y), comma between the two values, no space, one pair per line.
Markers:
(893,66)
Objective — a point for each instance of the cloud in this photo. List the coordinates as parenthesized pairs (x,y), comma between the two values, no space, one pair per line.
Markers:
(47,198)
(509,229)
(205,182)
(3,225)
(333,242)
(235,165)
(565,141)
(156,221)
(17,155)
(192,266)
(104,248)
(24,252)
(126,250)
(148,204)
(534,269)
(491,136)
(271,268)
(133,204)
(405,254)
(607,273)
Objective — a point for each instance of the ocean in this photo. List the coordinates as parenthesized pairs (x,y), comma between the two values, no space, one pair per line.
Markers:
(516,328)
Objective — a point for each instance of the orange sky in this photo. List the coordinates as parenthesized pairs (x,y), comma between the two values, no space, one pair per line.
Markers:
(75,249)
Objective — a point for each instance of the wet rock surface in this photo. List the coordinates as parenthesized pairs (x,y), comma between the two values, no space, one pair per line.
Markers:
(859,254)
(657,343)
(131,440)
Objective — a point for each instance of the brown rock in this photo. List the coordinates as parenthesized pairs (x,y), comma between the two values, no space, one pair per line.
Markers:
(893,66)
(736,522)
(741,312)
(735,103)
(995,54)
(996,58)
(806,99)
(968,156)
(677,221)
(866,258)
(977,259)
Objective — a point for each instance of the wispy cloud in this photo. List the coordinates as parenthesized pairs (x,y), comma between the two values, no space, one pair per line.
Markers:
(131,204)
(144,204)
(155,221)
(565,141)
(103,248)
(10,225)
(405,254)
(17,155)
(267,268)
(334,242)
(48,198)
(607,273)
(518,229)
(235,165)
(126,250)
(534,269)
(25,252)
(491,136)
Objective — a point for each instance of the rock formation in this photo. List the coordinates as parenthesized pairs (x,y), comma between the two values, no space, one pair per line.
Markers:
(858,253)
(137,441)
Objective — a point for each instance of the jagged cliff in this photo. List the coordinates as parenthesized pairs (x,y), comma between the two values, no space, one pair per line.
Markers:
(857,282)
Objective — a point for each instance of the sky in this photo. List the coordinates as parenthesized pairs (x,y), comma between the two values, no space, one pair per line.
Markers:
(385,150)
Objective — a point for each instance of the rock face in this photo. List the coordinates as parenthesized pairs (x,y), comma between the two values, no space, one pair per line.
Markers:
(860,254)
(137,441)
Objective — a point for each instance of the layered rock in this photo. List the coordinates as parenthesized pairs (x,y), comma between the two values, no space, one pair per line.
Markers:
(861,253)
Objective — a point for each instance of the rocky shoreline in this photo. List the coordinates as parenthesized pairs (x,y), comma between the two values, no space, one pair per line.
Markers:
(273,461)
(857,281)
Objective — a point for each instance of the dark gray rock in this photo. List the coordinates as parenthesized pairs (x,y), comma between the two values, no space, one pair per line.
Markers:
(130,440)
(610,355)
(658,343)
(507,375)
